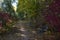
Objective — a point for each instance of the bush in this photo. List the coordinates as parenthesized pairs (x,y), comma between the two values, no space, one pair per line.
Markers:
(6,22)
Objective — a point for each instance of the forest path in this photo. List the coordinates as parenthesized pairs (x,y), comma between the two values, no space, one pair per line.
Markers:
(22,31)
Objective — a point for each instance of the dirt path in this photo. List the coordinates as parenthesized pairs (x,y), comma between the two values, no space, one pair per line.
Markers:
(22,32)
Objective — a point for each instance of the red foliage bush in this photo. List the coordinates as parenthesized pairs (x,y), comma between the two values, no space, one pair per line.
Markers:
(53,12)
(6,17)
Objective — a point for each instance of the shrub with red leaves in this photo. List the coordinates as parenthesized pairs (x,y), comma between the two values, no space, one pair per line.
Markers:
(53,14)
(5,17)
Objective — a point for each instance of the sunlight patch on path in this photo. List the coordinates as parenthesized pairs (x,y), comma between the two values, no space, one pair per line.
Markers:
(22,29)
(33,31)
(23,35)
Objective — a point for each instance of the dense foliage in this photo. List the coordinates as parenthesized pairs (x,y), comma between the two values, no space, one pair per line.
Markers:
(7,16)
(6,21)
(32,10)
(38,13)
